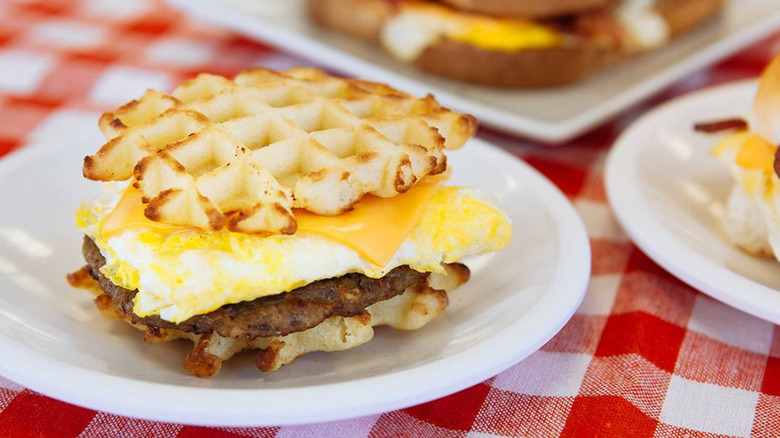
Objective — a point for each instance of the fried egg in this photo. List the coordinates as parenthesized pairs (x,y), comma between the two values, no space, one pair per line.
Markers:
(418,25)
(180,272)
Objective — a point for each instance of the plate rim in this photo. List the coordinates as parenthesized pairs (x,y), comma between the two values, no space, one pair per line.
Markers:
(550,133)
(654,239)
(83,387)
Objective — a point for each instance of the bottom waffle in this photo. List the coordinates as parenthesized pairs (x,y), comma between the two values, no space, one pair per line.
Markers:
(411,310)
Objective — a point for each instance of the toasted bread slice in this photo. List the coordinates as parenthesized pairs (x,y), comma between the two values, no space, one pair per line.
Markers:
(527,8)
(522,69)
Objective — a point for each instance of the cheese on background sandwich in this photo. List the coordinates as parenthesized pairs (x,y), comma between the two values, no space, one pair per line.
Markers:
(514,43)
(752,219)
(283,212)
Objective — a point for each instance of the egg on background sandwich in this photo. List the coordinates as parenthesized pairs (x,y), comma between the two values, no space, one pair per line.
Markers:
(752,219)
(514,43)
(283,212)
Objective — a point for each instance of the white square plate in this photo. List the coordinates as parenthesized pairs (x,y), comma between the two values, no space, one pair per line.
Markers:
(550,115)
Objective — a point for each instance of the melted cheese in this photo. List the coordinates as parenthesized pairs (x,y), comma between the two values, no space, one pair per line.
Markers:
(756,153)
(129,215)
(751,160)
(507,35)
(375,228)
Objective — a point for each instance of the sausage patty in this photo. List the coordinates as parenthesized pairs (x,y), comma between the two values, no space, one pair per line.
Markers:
(275,315)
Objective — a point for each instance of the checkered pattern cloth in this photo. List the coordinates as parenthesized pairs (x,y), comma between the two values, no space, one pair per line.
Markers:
(644,356)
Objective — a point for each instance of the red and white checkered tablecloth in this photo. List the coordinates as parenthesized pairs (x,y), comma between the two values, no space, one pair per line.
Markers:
(644,356)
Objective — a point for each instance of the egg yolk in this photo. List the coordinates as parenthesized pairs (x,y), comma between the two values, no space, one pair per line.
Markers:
(488,32)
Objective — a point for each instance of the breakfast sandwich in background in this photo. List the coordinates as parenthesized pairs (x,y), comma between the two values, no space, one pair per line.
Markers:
(514,43)
(752,218)
(284,212)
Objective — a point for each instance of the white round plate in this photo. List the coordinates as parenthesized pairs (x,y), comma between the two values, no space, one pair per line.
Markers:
(669,193)
(53,340)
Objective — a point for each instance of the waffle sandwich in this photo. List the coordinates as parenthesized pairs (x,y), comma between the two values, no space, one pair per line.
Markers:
(514,43)
(749,150)
(279,212)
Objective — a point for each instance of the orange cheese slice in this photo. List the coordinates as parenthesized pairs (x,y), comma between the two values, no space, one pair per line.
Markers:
(128,214)
(375,228)
(756,153)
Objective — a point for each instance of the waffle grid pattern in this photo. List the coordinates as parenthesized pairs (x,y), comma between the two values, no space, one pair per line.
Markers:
(241,154)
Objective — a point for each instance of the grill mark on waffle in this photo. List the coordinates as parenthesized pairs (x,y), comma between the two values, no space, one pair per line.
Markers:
(304,139)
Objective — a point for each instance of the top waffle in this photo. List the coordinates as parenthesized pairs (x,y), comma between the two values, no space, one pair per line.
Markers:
(241,154)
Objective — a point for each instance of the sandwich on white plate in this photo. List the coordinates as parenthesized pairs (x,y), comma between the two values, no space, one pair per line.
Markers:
(282,212)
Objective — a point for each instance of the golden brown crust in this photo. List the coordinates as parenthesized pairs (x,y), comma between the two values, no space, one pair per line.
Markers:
(527,8)
(82,279)
(266,359)
(201,363)
(524,68)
